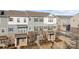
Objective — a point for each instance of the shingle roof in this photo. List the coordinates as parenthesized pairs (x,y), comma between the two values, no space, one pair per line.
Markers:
(15,13)
(31,13)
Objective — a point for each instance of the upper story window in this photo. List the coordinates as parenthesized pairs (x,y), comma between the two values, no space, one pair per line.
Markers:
(41,28)
(29,28)
(45,27)
(50,28)
(29,19)
(2,13)
(3,30)
(24,20)
(11,19)
(10,29)
(35,28)
(18,19)
(50,20)
(35,19)
(41,19)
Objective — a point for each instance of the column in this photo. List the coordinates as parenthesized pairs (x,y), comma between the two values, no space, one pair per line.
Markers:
(15,42)
(26,41)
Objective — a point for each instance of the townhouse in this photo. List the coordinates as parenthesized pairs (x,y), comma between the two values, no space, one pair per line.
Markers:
(17,24)
(3,29)
(75,24)
(26,21)
(3,23)
(63,22)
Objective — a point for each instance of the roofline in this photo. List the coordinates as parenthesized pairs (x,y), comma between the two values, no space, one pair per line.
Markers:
(63,16)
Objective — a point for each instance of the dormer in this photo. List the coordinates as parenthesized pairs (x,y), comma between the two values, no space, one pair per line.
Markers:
(51,15)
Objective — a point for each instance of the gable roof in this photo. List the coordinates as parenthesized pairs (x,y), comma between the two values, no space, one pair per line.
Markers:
(31,13)
(15,13)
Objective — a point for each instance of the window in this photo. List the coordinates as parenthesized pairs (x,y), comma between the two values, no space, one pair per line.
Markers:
(2,12)
(41,28)
(50,20)
(35,28)
(29,28)
(11,19)
(41,19)
(50,28)
(35,19)
(24,30)
(45,27)
(20,30)
(29,19)
(18,19)
(64,25)
(24,19)
(10,29)
(3,30)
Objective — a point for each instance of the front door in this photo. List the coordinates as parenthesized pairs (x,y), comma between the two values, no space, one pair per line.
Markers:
(68,28)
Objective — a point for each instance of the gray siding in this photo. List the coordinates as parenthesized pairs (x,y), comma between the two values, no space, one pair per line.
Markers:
(4,25)
(32,24)
(17,29)
(14,27)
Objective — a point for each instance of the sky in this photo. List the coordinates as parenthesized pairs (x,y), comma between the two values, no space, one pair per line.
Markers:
(60,12)
(40,4)
(62,7)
